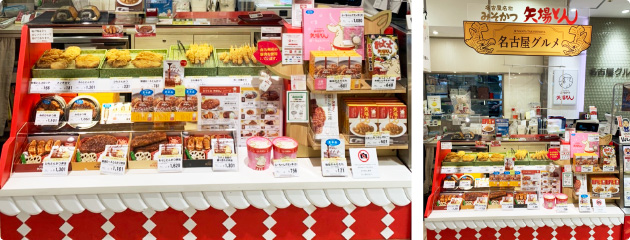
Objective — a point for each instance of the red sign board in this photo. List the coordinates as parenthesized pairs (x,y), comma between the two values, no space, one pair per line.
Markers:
(554,154)
(268,53)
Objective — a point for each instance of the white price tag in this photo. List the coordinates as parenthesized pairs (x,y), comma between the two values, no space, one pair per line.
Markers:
(151,82)
(375,139)
(285,167)
(449,184)
(242,81)
(446,170)
(562,208)
(446,145)
(334,167)
(467,169)
(111,166)
(47,118)
(298,82)
(533,206)
(85,85)
(605,195)
(465,184)
(599,205)
(453,207)
(170,163)
(351,18)
(608,168)
(41,85)
(55,168)
(507,206)
(194,82)
(63,86)
(484,169)
(224,162)
(338,83)
(383,82)
(497,169)
(41,35)
(587,168)
(121,85)
(81,116)
(25,18)
(480,207)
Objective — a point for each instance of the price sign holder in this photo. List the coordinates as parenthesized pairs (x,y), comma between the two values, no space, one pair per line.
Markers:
(225,162)
(507,206)
(55,168)
(286,167)
(562,208)
(334,167)
(446,145)
(169,163)
(376,139)
(454,207)
(338,83)
(608,168)
(114,165)
(80,116)
(47,118)
(383,82)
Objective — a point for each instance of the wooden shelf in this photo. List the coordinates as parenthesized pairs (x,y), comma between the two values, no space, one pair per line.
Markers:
(316,145)
(594,173)
(365,88)
(591,194)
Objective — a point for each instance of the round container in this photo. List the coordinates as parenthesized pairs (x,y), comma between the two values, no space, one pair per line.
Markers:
(284,147)
(466,178)
(51,103)
(561,198)
(550,201)
(259,153)
(84,103)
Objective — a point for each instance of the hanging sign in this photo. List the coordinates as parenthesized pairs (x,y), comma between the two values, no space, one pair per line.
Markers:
(565,87)
(268,53)
(527,39)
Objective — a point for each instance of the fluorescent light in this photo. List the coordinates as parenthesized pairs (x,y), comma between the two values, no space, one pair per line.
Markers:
(573,9)
(435,32)
(625,11)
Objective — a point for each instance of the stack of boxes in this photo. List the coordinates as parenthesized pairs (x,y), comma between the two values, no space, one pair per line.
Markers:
(331,63)
(365,114)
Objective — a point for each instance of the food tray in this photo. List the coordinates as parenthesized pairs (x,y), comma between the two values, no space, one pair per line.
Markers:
(229,69)
(207,69)
(71,71)
(130,70)
(489,163)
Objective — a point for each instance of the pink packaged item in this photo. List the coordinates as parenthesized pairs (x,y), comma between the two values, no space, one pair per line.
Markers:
(284,147)
(258,153)
(550,201)
(323,31)
(584,143)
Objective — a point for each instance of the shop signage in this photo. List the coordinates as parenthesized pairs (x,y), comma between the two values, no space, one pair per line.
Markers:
(268,53)
(527,39)
(499,13)
(364,162)
(625,132)
(565,87)
(145,30)
(505,13)
(609,72)
(112,30)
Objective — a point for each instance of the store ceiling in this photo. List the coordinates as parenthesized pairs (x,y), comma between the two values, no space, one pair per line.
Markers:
(603,8)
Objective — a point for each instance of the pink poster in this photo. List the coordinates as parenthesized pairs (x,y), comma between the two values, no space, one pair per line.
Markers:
(584,143)
(324,30)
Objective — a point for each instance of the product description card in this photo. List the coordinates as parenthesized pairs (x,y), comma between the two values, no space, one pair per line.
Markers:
(285,167)
(225,162)
(114,159)
(41,35)
(334,167)
(364,163)
(170,158)
(292,48)
(297,106)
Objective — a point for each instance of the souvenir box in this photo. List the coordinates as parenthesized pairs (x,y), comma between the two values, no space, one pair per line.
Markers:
(323,31)
(90,147)
(381,55)
(144,148)
(33,154)
(200,147)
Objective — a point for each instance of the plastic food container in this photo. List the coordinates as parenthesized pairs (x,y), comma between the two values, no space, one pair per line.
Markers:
(550,200)
(87,103)
(258,153)
(561,198)
(284,147)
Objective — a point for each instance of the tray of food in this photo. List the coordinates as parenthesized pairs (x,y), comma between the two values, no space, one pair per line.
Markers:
(133,63)
(201,59)
(521,157)
(73,62)
(489,159)
(457,159)
(238,61)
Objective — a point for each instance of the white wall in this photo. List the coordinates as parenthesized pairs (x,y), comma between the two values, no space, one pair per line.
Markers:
(519,90)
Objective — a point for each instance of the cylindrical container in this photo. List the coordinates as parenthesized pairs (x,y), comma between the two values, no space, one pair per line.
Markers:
(84,103)
(258,153)
(561,198)
(550,201)
(51,104)
(284,147)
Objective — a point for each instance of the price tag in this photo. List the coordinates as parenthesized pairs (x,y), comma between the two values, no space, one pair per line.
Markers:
(497,169)
(169,163)
(85,85)
(449,184)
(41,85)
(63,86)
(562,208)
(298,82)
(242,81)
(285,167)
(446,145)
(465,184)
(111,166)
(468,169)
(533,206)
(383,82)
(121,85)
(453,205)
(567,179)
(194,82)
(446,170)
(351,19)
(484,169)
(482,182)
(605,195)
(338,83)
(480,206)
(47,118)
(608,168)
(151,83)
(25,18)
(41,35)
(224,162)
(584,204)
(599,205)
(587,168)
(55,168)
(81,116)
(334,167)
(375,139)
(507,206)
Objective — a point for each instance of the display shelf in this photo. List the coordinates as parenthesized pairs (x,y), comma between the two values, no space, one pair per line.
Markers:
(392,174)
(316,144)
(365,88)
(594,173)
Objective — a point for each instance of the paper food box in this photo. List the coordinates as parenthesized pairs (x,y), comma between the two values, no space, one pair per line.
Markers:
(36,149)
(145,148)
(201,146)
(91,147)
(381,55)
(324,31)
(164,7)
(324,115)
(584,143)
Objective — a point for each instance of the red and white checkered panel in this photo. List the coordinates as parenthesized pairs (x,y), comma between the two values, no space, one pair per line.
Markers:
(584,232)
(332,222)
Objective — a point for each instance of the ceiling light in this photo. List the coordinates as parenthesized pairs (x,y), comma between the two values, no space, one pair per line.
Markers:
(573,9)
(625,11)
(435,32)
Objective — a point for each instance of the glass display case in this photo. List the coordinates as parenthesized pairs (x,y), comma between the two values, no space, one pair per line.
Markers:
(486,91)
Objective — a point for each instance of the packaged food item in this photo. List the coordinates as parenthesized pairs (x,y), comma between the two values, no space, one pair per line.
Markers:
(112,113)
(51,104)
(91,148)
(36,149)
(324,115)
(470,198)
(496,197)
(381,54)
(259,153)
(284,147)
(520,199)
(444,199)
(145,148)
(142,105)
(584,143)
(324,30)
(89,13)
(580,184)
(605,187)
(608,156)
(561,198)
(466,182)
(450,182)
(65,14)
(86,104)
(586,162)
(550,201)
